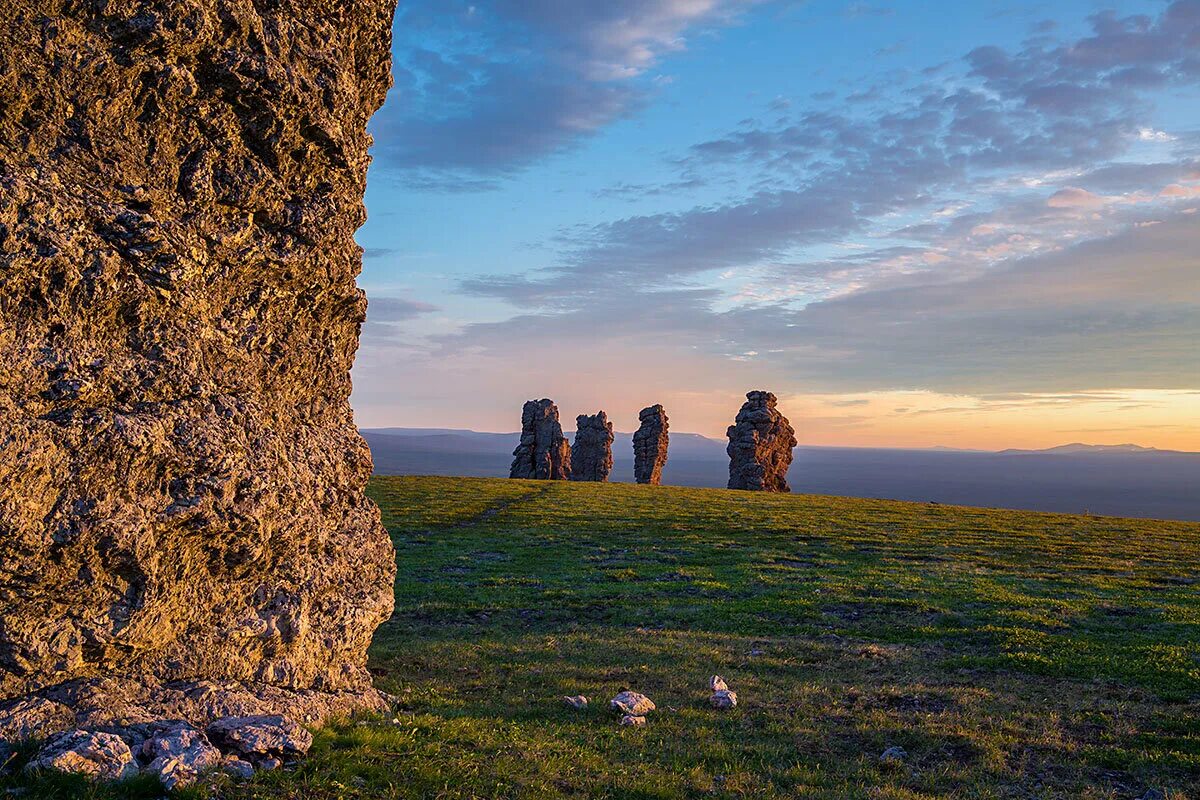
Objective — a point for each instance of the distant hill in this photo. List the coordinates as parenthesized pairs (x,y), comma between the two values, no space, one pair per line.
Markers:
(1103,479)
(1079,449)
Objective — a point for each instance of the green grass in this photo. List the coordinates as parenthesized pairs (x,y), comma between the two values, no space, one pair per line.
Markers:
(1012,654)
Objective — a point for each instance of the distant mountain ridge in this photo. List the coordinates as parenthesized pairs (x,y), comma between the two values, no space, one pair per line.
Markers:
(1122,480)
(708,444)
(1081,449)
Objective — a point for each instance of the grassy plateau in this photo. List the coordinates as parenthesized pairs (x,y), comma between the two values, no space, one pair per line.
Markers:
(1010,654)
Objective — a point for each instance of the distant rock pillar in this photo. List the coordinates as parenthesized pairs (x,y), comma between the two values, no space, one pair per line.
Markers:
(760,446)
(543,453)
(650,445)
(591,455)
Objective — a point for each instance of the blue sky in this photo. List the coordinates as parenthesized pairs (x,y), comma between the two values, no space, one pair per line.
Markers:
(918,223)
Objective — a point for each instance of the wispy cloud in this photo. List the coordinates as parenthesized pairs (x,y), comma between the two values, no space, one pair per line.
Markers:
(485,89)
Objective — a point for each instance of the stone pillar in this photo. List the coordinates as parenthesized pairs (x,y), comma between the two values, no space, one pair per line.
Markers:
(543,453)
(760,446)
(181,479)
(591,455)
(650,445)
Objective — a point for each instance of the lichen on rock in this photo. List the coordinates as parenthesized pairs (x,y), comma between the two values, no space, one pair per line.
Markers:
(181,480)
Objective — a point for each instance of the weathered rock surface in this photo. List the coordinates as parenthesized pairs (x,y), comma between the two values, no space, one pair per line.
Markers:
(100,755)
(33,718)
(760,446)
(181,481)
(543,453)
(591,454)
(650,445)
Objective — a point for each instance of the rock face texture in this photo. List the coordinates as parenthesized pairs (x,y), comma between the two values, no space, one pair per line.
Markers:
(760,446)
(543,453)
(181,481)
(650,445)
(591,455)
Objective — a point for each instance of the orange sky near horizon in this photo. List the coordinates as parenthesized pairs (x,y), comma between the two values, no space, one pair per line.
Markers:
(1166,419)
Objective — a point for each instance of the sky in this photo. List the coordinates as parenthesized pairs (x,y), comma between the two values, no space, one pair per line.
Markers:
(918,223)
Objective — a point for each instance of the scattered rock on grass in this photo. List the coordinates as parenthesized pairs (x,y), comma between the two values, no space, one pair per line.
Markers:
(893,757)
(722,696)
(632,703)
(633,720)
(99,755)
(578,702)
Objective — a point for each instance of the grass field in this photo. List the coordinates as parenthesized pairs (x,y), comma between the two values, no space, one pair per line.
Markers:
(1012,655)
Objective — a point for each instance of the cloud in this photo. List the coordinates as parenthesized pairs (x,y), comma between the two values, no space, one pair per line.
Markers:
(489,88)
(1122,310)
(1013,121)
(1022,224)
(1074,197)
(396,309)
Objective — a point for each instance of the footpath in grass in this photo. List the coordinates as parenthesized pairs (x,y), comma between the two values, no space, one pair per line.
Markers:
(1010,654)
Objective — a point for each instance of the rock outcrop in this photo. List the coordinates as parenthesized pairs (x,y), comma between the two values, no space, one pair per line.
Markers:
(181,480)
(760,446)
(543,453)
(591,454)
(650,445)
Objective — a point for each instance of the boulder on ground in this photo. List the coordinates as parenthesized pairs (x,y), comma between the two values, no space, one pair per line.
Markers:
(760,446)
(650,443)
(543,453)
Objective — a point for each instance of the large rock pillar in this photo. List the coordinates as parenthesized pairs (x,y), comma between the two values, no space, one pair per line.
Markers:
(760,446)
(181,480)
(543,452)
(591,454)
(650,443)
